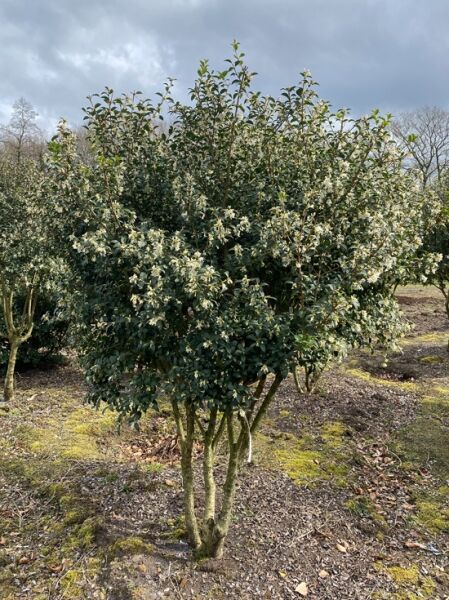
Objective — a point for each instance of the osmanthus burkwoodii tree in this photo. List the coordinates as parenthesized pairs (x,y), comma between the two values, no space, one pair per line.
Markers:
(26,255)
(361,326)
(432,260)
(205,253)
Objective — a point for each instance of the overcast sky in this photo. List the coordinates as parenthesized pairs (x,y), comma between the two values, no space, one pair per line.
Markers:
(390,54)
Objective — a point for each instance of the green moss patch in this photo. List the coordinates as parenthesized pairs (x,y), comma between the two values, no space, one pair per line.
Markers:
(153,467)
(433,510)
(425,440)
(432,359)
(404,574)
(410,584)
(334,434)
(422,441)
(130,546)
(284,413)
(75,581)
(406,386)
(436,338)
(302,465)
(363,506)
(74,437)
(309,459)
(177,529)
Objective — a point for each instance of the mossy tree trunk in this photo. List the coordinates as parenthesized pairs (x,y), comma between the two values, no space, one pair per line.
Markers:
(8,393)
(441,285)
(186,431)
(16,334)
(208,537)
(310,380)
(446,305)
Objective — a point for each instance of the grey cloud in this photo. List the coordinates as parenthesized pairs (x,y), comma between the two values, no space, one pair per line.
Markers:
(365,53)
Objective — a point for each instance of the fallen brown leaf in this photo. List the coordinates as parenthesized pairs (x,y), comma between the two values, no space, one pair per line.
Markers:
(183,583)
(411,544)
(302,589)
(325,532)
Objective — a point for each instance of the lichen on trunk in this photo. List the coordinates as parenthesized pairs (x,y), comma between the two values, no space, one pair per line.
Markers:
(16,334)
(9,377)
(207,536)
(308,383)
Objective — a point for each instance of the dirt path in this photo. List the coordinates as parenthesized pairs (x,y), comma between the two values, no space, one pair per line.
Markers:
(348,496)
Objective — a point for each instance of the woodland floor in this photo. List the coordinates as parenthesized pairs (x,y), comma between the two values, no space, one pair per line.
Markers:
(348,496)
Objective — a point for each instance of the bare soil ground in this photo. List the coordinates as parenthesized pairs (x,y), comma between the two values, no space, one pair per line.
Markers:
(348,496)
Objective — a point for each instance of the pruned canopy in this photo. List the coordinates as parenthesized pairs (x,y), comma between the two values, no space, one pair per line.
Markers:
(209,254)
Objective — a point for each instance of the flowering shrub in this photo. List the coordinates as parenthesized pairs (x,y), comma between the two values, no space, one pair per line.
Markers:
(26,258)
(207,256)
(432,264)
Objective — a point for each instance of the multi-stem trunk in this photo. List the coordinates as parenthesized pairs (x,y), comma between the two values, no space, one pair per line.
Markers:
(208,538)
(213,543)
(311,377)
(297,379)
(16,334)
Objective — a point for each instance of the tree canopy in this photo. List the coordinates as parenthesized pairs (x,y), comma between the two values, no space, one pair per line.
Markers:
(208,255)
(26,251)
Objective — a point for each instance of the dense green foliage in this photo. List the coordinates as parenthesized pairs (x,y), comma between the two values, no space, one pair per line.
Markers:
(435,250)
(23,235)
(50,332)
(363,326)
(251,212)
(214,255)
(424,137)
(29,261)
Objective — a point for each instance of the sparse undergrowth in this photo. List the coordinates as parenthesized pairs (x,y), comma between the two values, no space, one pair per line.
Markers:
(50,463)
(309,459)
(361,468)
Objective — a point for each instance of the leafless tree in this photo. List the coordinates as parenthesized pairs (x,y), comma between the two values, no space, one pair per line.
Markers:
(22,137)
(424,135)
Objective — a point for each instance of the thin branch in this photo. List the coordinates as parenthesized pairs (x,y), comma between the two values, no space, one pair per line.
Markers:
(257,394)
(219,431)
(210,431)
(7,297)
(200,425)
(178,421)
(266,402)
(231,435)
